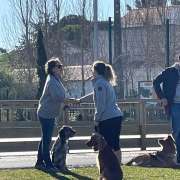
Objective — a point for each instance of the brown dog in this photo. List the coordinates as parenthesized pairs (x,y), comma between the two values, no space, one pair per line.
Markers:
(164,158)
(60,148)
(107,162)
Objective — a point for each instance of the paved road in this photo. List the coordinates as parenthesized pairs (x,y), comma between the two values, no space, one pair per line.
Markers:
(28,159)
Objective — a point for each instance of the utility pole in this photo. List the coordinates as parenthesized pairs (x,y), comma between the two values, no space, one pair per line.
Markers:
(110,41)
(95,38)
(82,46)
(118,50)
(167,43)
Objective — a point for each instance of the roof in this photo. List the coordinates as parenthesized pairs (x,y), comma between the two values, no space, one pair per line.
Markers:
(72,73)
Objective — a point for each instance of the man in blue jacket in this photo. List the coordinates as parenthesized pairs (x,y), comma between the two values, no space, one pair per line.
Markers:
(167,88)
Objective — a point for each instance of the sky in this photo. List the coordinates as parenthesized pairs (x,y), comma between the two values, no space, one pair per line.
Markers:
(9,26)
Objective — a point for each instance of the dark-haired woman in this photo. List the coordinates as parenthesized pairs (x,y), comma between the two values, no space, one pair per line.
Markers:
(108,116)
(49,105)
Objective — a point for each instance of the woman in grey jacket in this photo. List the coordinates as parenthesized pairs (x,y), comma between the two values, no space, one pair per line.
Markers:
(108,116)
(49,105)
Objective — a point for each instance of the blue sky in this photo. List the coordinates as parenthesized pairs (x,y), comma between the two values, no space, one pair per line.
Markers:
(10,30)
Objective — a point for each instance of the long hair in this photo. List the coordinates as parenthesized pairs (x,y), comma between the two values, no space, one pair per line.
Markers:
(110,74)
(105,70)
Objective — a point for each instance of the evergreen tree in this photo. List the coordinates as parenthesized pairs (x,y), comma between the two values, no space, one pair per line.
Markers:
(41,61)
(2,50)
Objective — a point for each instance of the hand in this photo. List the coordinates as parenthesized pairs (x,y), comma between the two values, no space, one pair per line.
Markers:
(78,101)
(163,102)
(72,100)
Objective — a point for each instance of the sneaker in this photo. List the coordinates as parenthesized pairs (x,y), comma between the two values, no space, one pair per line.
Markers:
(40,166)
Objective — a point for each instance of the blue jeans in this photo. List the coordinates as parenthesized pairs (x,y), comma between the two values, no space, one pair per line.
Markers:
(47,126)
(175,115)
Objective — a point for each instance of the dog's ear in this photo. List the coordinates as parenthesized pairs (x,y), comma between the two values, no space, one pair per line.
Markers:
(161,142)
(171,141)
(170,137)
(89,143)
(62,133)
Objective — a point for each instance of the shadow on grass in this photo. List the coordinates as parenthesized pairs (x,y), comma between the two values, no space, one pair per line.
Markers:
(77,175)
(61,177)
(57,176)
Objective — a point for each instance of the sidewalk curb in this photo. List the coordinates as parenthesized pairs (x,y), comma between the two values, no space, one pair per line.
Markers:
(74,160)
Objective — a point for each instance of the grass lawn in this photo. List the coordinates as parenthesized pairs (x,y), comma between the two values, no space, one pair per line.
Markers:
(132,173)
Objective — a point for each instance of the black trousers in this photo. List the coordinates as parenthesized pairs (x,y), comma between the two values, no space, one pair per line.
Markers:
(111,129)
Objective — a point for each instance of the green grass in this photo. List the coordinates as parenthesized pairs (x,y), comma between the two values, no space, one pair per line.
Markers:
(130,173)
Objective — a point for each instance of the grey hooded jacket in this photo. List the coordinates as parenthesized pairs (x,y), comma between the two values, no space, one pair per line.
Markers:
(52,97)
(105,100)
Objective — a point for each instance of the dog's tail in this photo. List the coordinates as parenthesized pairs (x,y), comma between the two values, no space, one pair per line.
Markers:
(176,166)
(130,163)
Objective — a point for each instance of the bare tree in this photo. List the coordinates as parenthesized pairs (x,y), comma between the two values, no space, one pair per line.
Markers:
(42,10)
(149,20)
(57,9)
(24,54)
(81,7)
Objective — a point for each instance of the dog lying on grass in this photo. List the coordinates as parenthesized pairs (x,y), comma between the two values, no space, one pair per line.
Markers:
(60,148)
(107,162)
(164,158)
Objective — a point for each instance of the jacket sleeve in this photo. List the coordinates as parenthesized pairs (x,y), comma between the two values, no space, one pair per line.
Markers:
(100,100)
(86,98)
(157,85)
(56,91)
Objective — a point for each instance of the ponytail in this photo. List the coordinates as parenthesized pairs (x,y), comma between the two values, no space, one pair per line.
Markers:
(106,71)
(110,74)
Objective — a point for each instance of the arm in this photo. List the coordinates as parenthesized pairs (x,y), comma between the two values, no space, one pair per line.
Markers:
(57,91)
(100,100)
(157,86)
(86,98)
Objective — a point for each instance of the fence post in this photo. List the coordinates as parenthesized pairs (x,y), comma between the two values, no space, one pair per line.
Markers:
(142,125)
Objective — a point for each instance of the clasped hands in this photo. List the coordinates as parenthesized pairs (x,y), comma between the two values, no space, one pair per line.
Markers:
(72,101)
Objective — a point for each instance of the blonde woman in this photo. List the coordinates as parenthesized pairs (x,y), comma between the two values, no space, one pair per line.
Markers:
(108,116)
